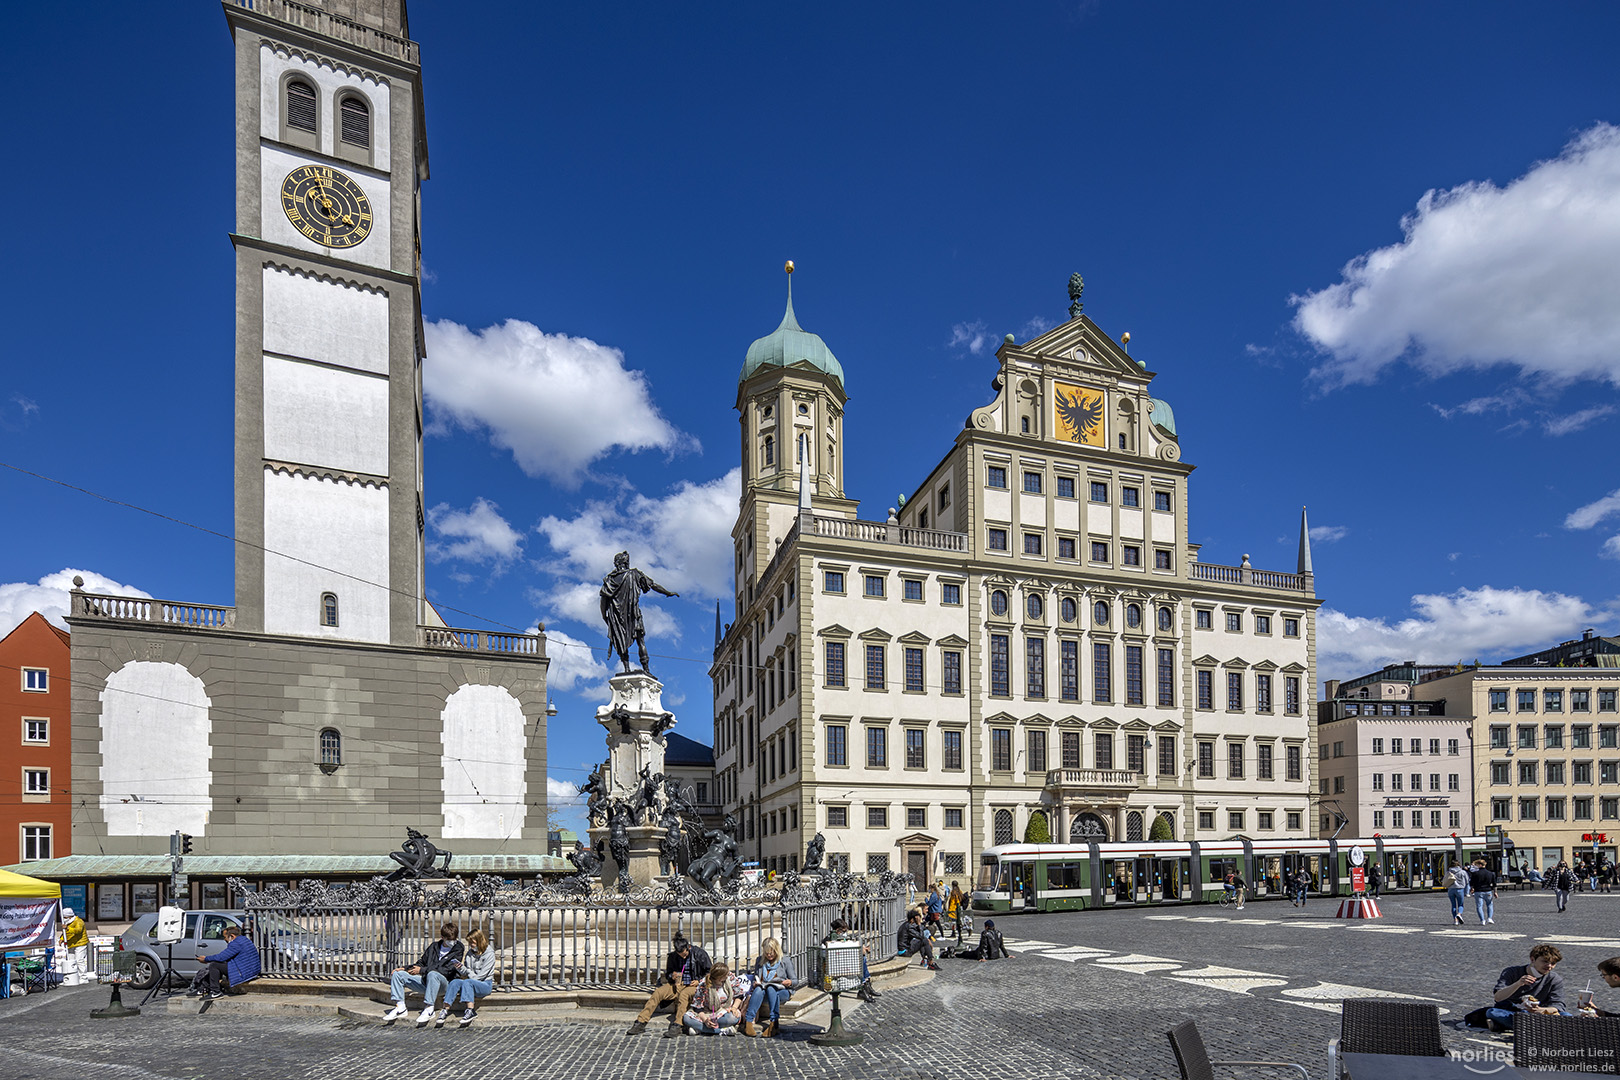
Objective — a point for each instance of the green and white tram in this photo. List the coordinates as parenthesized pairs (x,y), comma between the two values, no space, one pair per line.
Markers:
(1072,877)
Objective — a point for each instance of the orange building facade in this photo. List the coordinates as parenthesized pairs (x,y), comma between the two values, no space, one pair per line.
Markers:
(36,773)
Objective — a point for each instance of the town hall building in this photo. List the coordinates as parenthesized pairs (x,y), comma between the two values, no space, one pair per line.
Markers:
(1031,640)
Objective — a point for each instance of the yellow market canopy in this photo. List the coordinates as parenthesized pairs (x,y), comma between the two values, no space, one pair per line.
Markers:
(15,886)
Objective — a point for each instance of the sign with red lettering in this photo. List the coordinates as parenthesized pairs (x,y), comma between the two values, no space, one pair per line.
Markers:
(1358,879)
(1595,838)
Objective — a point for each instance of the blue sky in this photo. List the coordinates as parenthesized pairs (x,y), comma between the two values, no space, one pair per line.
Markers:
(1372,252)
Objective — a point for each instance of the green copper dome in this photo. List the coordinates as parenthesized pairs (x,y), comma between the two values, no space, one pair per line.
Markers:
(1163,418)
(791,344)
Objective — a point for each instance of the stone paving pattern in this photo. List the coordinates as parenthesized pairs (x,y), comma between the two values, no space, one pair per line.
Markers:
(1086,995)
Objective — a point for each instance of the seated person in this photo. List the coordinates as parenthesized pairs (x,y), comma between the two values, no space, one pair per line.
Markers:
(774,982)
(475,977)
(991,946)
(431,975)
(842,932)
(1609,970)
(713,1008)
(238,963)
(684,968)
(913,940)
(1532,987)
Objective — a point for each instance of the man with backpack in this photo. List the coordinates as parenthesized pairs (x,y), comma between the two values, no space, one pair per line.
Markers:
(1563,881)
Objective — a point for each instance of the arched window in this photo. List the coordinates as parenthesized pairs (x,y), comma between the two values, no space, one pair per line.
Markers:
(1004,827)
(300,105)
(1085,827)
(1133,827)
(1122,440)
(1167,618)
(1025,422)
(329,609)
(1133,615)
(1035,606)
(998,602)
(770,450)
(354,121)
(1099,613)
(331,747)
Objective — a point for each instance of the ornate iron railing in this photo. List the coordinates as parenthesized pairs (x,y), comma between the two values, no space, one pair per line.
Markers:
(549,938)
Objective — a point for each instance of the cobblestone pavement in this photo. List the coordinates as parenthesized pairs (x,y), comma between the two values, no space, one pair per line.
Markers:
(1085,995)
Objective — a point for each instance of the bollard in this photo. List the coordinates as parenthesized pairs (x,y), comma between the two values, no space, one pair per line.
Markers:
(115,1008)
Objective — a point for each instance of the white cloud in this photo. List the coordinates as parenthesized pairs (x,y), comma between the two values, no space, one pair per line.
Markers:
(1484,623)
(1611,547)
(574,664)
(561,794)
(1480,406)
(1326,534)
(975,337)
(477,534)
(1594,513)
(49,597)
(683,541)
(558,403)
(1570,423)
(1035,327)
(1523,275)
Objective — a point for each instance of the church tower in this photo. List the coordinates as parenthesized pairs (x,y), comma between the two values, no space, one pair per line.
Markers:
(330,156)
(790,401)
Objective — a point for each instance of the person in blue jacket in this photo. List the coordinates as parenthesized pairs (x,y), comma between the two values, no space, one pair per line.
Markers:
(238,962)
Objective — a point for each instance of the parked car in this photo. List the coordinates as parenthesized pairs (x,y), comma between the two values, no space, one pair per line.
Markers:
(204,933)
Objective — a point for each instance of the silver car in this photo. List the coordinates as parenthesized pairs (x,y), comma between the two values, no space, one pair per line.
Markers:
(204,933)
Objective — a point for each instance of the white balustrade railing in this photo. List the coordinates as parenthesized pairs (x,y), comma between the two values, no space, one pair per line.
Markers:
(879,532)
(1091,778)
(166,612)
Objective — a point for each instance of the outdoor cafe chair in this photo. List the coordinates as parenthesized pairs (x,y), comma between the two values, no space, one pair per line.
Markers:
(1573,1043)
(1382,1026)
(1194,1059)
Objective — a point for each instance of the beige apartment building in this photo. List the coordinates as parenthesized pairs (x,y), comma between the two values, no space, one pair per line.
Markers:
(1394,767)
(1546,753)
(1031,637)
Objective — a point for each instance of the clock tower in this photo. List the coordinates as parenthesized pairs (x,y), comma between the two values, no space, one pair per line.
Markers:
(330,156)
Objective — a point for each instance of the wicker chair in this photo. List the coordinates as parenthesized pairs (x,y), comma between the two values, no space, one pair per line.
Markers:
(1381,1026)
(1572,1043)
(1194,1059)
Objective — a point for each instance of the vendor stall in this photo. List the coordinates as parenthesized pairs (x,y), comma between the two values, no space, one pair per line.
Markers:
(28,908)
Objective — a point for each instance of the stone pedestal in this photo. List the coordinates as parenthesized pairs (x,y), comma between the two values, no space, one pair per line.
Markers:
(635,721)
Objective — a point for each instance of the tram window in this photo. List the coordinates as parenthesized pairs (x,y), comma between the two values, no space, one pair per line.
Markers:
(1063,876)
(989,873)
(1219,868)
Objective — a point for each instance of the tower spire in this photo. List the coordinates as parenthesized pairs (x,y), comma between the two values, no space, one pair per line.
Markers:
(788,319)
(718,636)
(1304,543)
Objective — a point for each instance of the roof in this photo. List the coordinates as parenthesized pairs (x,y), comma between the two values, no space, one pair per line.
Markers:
(62,635)
(290,866)
(679,750)
(789,345)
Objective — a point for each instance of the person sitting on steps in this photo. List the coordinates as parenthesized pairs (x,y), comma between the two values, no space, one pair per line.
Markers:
(238,963)
(913,940)
(475,977)
(684,969)
(431,975)
(774,982)
(713,1009)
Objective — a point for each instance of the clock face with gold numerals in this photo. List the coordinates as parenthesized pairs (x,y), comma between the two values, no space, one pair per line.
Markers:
(326,205)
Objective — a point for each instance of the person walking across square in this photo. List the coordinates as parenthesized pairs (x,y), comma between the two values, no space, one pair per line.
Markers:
(1483,884)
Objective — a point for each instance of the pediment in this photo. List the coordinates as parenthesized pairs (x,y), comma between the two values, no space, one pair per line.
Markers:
(876,634)
(952,639)
(1265,665)
(1294,669)
(1071,721)
(1105,724)
(1236,662)
(1001,718)
(915,838)
(913,638)
(1169,726)
(835,631)
(1038,718)
(1203,661)
(1138,725)
(1077,346)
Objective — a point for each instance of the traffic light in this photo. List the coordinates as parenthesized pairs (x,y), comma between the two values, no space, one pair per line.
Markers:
(185,843)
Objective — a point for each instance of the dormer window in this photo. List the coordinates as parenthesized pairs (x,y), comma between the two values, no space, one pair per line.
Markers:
(329,609)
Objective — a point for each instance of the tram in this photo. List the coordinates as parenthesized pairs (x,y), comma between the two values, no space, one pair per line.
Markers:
(1075,877)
